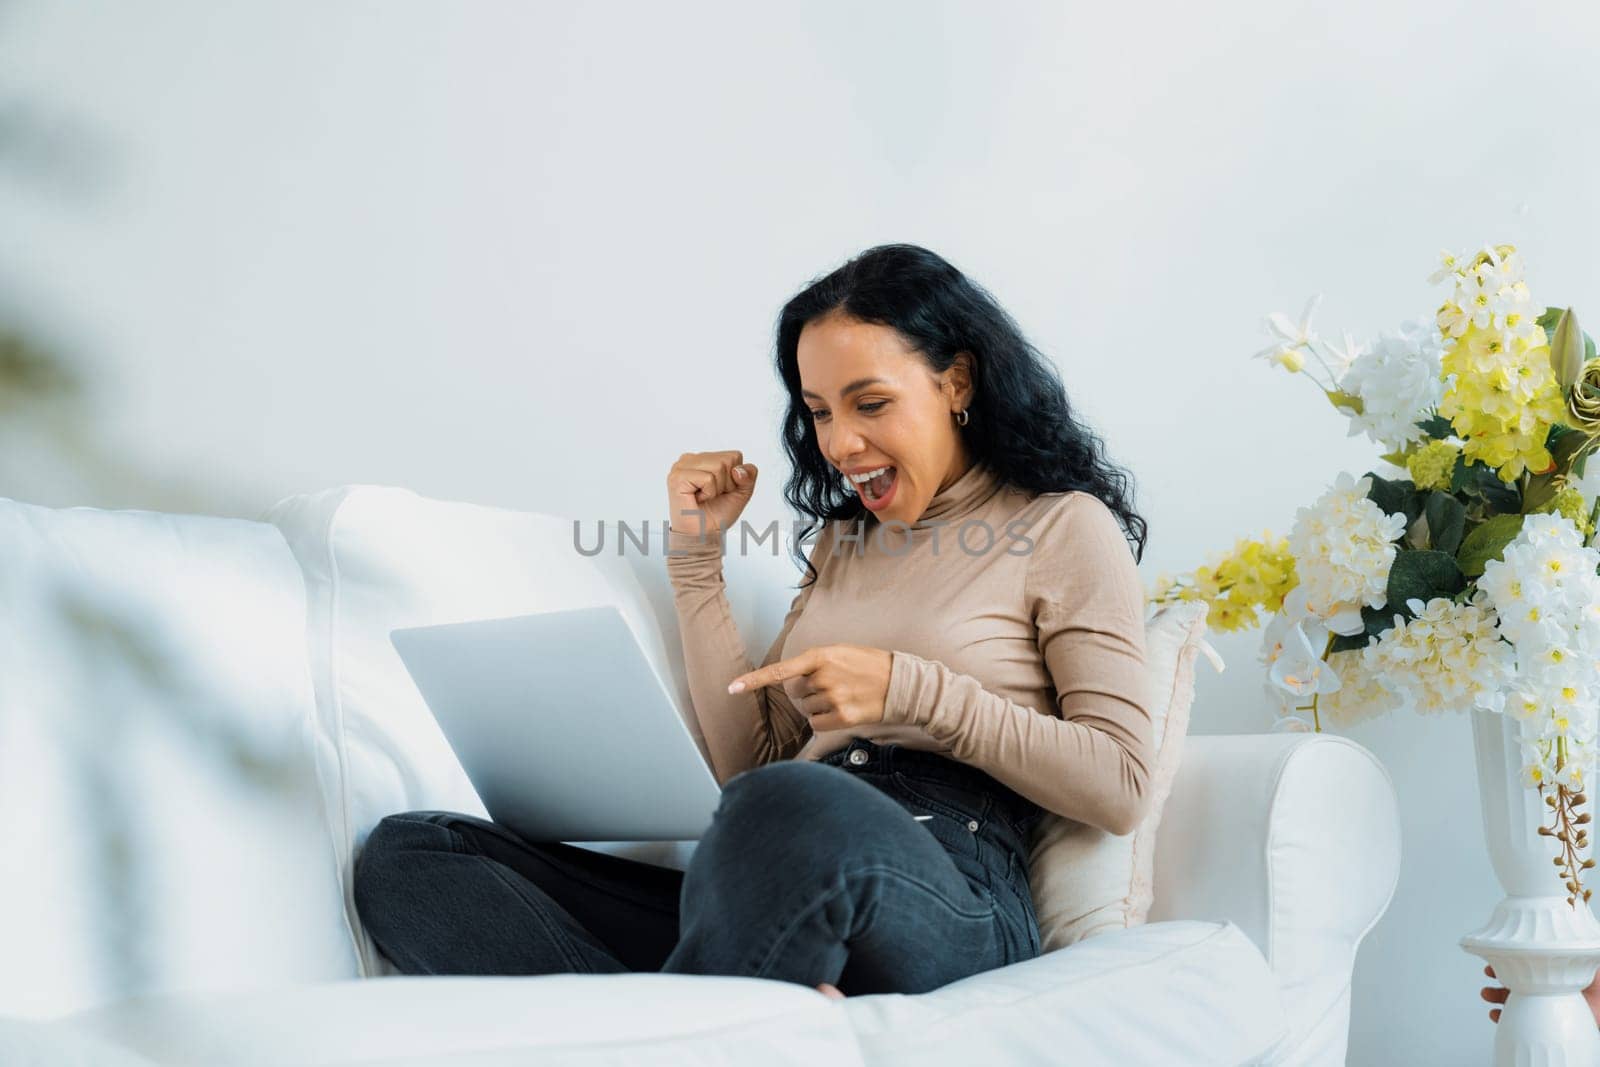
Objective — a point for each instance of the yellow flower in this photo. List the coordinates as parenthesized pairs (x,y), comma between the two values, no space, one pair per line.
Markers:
(1504,400)
(1254,574)
(1432,465)
(1505,395)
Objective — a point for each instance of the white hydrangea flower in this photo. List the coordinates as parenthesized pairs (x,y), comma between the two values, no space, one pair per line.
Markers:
(1360,697)
(1398,380)
(1343,546)
(1448,657)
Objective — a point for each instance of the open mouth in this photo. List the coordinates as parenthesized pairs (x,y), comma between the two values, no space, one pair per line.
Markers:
(876,491)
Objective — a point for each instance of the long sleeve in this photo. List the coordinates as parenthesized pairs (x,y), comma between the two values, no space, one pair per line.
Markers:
(742,730)
(1092,763)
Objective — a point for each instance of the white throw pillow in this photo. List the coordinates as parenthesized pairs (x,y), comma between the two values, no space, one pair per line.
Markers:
(1086,881)
(376,558)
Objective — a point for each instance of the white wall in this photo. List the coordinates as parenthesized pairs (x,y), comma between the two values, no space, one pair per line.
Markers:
(525,254)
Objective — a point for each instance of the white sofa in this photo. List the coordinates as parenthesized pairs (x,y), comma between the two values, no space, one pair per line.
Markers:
(201,719)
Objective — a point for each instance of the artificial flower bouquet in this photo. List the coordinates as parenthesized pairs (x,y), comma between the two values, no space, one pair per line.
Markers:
(1471,581)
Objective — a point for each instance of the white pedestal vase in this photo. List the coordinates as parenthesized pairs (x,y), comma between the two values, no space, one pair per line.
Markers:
(1543,949)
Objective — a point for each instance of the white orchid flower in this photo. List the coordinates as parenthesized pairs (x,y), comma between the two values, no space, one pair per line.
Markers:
(1295,333)
(1300,668)
(1342,618)
(1342,355)
(1289,337)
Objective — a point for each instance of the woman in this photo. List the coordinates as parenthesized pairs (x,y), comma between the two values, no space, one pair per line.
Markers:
(1497,994)
(927,698)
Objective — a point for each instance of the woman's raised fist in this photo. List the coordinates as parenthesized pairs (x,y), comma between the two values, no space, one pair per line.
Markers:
(708,491)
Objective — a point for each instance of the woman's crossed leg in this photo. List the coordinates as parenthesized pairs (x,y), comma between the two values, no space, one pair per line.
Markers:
(807,874)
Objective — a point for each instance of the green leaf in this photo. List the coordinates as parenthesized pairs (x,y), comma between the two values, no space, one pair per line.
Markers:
(1479,480)
(1422,574)
(1487,541)
(1342,400)
(1416,537)
(1447,521)
(1376,621)
(1540,491)
(1565,445)
(1549,319)
(1348,643)
(1570,450)
(1437,427)
(1395,496)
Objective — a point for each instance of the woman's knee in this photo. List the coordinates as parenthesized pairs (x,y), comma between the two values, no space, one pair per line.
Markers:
(392,846)
(783,787)
(792,805)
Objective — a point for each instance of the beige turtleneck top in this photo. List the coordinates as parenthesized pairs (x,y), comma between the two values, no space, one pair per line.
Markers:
(1016,630)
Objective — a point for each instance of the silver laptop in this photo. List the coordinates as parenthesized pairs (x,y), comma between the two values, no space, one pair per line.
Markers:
(562,725)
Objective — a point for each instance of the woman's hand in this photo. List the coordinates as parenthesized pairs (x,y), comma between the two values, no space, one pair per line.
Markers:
(839,685)
(715,484)
(1497,994)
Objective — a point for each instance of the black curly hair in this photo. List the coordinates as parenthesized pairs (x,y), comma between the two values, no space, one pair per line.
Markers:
(1022,423)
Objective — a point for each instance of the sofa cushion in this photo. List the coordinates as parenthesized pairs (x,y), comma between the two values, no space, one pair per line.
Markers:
(1180,992)
(376,558)
(1194,993)
(161,823)
(31,1043)
(555,1020)
(1084,880)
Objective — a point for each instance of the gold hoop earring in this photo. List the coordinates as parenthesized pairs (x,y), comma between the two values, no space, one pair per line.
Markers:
(961,417)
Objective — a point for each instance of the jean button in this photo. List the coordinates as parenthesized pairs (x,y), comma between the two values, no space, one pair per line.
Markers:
(858,756)
(972,824)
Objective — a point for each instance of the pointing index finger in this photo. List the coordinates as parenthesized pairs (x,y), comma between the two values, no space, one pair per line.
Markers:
(773,673)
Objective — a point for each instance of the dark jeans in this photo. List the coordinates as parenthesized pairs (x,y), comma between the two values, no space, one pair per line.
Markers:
(809,872)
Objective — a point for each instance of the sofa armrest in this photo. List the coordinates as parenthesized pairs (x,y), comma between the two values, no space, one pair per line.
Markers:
(1295,838)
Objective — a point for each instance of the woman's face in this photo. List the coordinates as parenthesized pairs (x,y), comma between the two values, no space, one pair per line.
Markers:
(875,404)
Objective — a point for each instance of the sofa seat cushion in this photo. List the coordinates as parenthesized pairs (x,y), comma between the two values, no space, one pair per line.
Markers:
(553,1020)
(47,1043)
(1169,992)
(1174,992)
